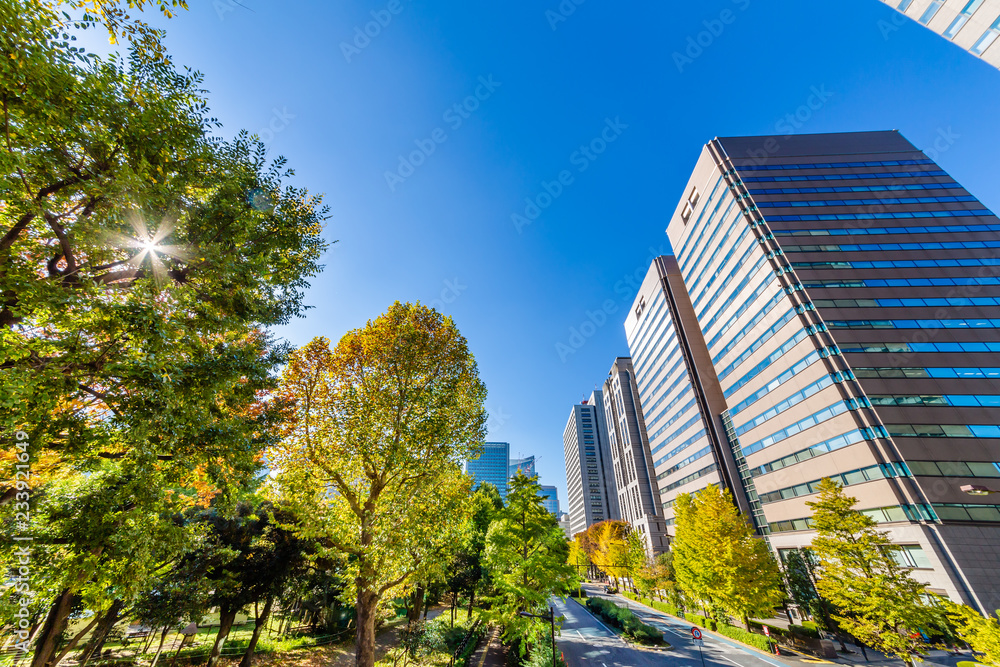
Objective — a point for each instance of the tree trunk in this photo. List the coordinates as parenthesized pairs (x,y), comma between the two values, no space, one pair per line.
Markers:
(76,640)
(226,618)
(415,608)
(365,642)
(454,601)
(259,623)
(472,598)
(159,649)
(96,642)
(55,625)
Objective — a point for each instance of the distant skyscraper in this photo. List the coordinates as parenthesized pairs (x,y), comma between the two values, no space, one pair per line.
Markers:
(525,465)
(589,476)
(973,25)
(836,302)
(550,500)
(492,466)
(638,495)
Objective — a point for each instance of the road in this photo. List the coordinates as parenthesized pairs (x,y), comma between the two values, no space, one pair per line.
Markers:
(586,642)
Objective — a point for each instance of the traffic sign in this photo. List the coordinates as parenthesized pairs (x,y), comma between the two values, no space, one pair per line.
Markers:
(695,633)
(767,631)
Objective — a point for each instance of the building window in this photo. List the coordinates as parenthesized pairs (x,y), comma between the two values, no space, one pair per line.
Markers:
(904,5)
(987,39)
(931,10)
(962,18)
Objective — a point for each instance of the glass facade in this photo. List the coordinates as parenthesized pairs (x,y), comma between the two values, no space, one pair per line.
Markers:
(491,466)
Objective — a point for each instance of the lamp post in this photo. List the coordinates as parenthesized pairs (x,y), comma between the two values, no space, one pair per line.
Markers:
(551,618)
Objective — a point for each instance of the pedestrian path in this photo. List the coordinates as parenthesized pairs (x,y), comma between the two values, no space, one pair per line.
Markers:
(491,652)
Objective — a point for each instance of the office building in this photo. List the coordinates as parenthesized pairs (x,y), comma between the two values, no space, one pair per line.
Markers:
(492,466)
(973,25)
(564,523)
(550,499)
(845,298)
(630,456)
(525,465)
(589,477)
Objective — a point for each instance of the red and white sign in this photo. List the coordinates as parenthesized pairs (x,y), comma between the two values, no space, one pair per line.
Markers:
(767,631)
(695,633)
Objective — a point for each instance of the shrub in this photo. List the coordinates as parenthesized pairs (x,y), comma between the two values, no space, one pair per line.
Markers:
(698,619)
(804,631)
(741,635)
(626,620)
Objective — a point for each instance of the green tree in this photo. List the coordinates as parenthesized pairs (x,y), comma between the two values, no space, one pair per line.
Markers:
(526,553)
(718,559)
(140,259)
(636,558)
(374,435)
(876,599)
(978,631)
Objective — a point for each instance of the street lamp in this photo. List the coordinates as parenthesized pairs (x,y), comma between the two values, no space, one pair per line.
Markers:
(977,490)
(551,618)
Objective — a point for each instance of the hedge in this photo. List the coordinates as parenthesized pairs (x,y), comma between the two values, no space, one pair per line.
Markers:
(659,606)
(698,619)
(739,634)
(625,620)
(804,630)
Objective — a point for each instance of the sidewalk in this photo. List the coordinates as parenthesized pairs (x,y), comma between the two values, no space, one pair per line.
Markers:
(491,652)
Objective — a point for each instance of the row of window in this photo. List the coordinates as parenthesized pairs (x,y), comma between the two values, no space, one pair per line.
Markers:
(859,476)
(789,402)
(876,231)
(823,415)
(865,202)
(675,434)
(972,323)
(691,245)
(764,337)
(921,347)
(690,478)
(701,453)
(769,277)
(899,264)
(677,415)
(695,288)
(906,282)
(747,328)
(683,377)
(895,513)
(820,448)
(932,400)
(935,372)
(856,188)
(671,349)
(684,392)
(843,177)
(955,302)
(943,430)
(799,366)
(707,290)
(748,276)
(895,215)
(642,330)
(800,334)
(697,223)
(954,468)
(827,165)
(868,247)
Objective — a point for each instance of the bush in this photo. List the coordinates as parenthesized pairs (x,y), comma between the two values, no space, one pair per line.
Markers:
(804,630)
(626,620)
(698,619)
(741,635)
(541,656)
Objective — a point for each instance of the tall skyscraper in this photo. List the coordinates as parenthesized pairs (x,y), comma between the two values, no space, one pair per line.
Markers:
(550,499)
(973,25)
(525,465)
(589,477)
(845,298)
(492,466)
(630,456)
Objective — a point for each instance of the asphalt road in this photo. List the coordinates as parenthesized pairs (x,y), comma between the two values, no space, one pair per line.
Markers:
(586,642)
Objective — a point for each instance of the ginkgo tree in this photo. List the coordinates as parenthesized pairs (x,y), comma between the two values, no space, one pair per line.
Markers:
(374,433)
(719,561)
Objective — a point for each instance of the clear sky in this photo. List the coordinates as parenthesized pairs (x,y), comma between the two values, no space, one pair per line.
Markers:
(443,233)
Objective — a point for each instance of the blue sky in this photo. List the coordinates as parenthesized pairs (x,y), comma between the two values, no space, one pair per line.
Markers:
(444,233)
